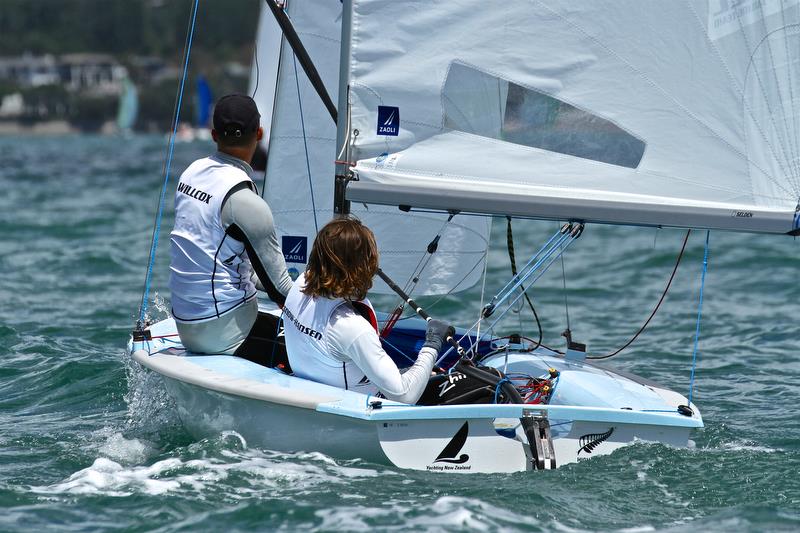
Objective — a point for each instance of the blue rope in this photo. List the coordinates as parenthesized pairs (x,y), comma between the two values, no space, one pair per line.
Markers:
(305,142)
(699,314)
(157,230)
(497,388)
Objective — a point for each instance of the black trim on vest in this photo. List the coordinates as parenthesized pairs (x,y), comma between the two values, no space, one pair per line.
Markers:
(272,291)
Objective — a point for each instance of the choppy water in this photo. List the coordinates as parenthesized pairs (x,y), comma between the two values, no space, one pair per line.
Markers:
(90,442)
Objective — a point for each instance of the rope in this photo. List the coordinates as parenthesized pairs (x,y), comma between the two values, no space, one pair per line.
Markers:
(655,309)
(305,142)
(516,281)
(512,258)
(497,388)
(699,314)
(140,324)
(564,279)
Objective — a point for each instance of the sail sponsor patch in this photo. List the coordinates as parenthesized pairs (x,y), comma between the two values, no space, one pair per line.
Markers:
(388,120)
(387,161)
(295,248)
(731,16)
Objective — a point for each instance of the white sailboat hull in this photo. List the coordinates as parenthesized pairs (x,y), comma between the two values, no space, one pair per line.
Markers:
(270,409)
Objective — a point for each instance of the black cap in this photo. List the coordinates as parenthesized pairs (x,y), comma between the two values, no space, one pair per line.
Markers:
(236,115)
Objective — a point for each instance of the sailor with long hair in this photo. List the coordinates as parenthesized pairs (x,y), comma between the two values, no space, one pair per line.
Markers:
(331,328)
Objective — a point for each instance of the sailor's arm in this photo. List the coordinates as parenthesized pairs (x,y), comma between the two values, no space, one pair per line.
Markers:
(352,337)
(407,387)
(247,218)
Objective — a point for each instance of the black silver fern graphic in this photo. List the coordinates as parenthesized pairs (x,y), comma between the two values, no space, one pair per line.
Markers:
(450,451)
(591,441)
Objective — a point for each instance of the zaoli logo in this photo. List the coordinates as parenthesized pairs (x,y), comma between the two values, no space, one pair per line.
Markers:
(448,455)
(388,120)
(591,441)
(294,248)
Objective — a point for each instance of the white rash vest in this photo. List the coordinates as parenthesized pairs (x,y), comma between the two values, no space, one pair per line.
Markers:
(329,341)
(210,271)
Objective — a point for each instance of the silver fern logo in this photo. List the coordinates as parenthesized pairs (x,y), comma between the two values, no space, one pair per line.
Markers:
(590,441)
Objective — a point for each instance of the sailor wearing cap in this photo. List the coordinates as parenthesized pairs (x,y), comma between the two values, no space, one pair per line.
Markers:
(223,245)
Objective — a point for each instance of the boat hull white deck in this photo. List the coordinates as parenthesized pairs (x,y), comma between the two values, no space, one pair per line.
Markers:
(216,393)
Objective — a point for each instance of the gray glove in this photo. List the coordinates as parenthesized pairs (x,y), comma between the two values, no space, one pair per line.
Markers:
(437,333)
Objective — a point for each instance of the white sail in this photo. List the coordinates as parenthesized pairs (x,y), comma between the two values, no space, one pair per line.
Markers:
(655,113)
(300,174)
(264,70)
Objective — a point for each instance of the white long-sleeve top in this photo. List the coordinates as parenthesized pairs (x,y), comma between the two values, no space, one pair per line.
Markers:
(328,341)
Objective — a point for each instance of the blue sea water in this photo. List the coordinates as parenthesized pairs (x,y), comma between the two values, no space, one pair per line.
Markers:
(89,441)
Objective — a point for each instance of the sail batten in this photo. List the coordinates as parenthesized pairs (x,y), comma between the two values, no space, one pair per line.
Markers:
(665,113)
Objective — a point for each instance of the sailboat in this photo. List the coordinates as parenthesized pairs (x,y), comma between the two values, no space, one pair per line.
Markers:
(128,108)
(585,112)
(200,128)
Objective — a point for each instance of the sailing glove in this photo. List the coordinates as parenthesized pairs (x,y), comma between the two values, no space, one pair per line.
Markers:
(437,333)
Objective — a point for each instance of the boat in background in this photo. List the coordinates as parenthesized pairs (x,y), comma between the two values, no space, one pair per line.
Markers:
(128,108)
(568,112)
(200,129)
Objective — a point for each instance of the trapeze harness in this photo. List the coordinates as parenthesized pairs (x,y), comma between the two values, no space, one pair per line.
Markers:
(210,271)
(306,323)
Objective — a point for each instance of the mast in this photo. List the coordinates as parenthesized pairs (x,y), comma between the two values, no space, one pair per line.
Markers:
(341,206)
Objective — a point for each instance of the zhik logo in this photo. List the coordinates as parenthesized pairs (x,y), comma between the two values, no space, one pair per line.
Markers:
(388,120)
(294,248)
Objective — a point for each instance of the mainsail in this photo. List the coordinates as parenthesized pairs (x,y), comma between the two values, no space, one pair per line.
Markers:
(679,114)
(300,171)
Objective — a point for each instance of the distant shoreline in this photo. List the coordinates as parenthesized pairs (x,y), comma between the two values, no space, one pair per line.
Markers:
(51,127)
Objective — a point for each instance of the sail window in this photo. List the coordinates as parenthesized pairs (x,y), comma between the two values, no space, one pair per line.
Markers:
(482,104)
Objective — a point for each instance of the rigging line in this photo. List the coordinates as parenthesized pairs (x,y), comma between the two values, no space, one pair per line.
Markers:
(564,278)
(512,258)
(480,309)
(427,255)
(520,279)
(535,279)
(557,235)
(699,314)
(527,275)
(414,277)
(305,142)
(140,324)
(255,59)
(345,143)
(483,258)
(655,309)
